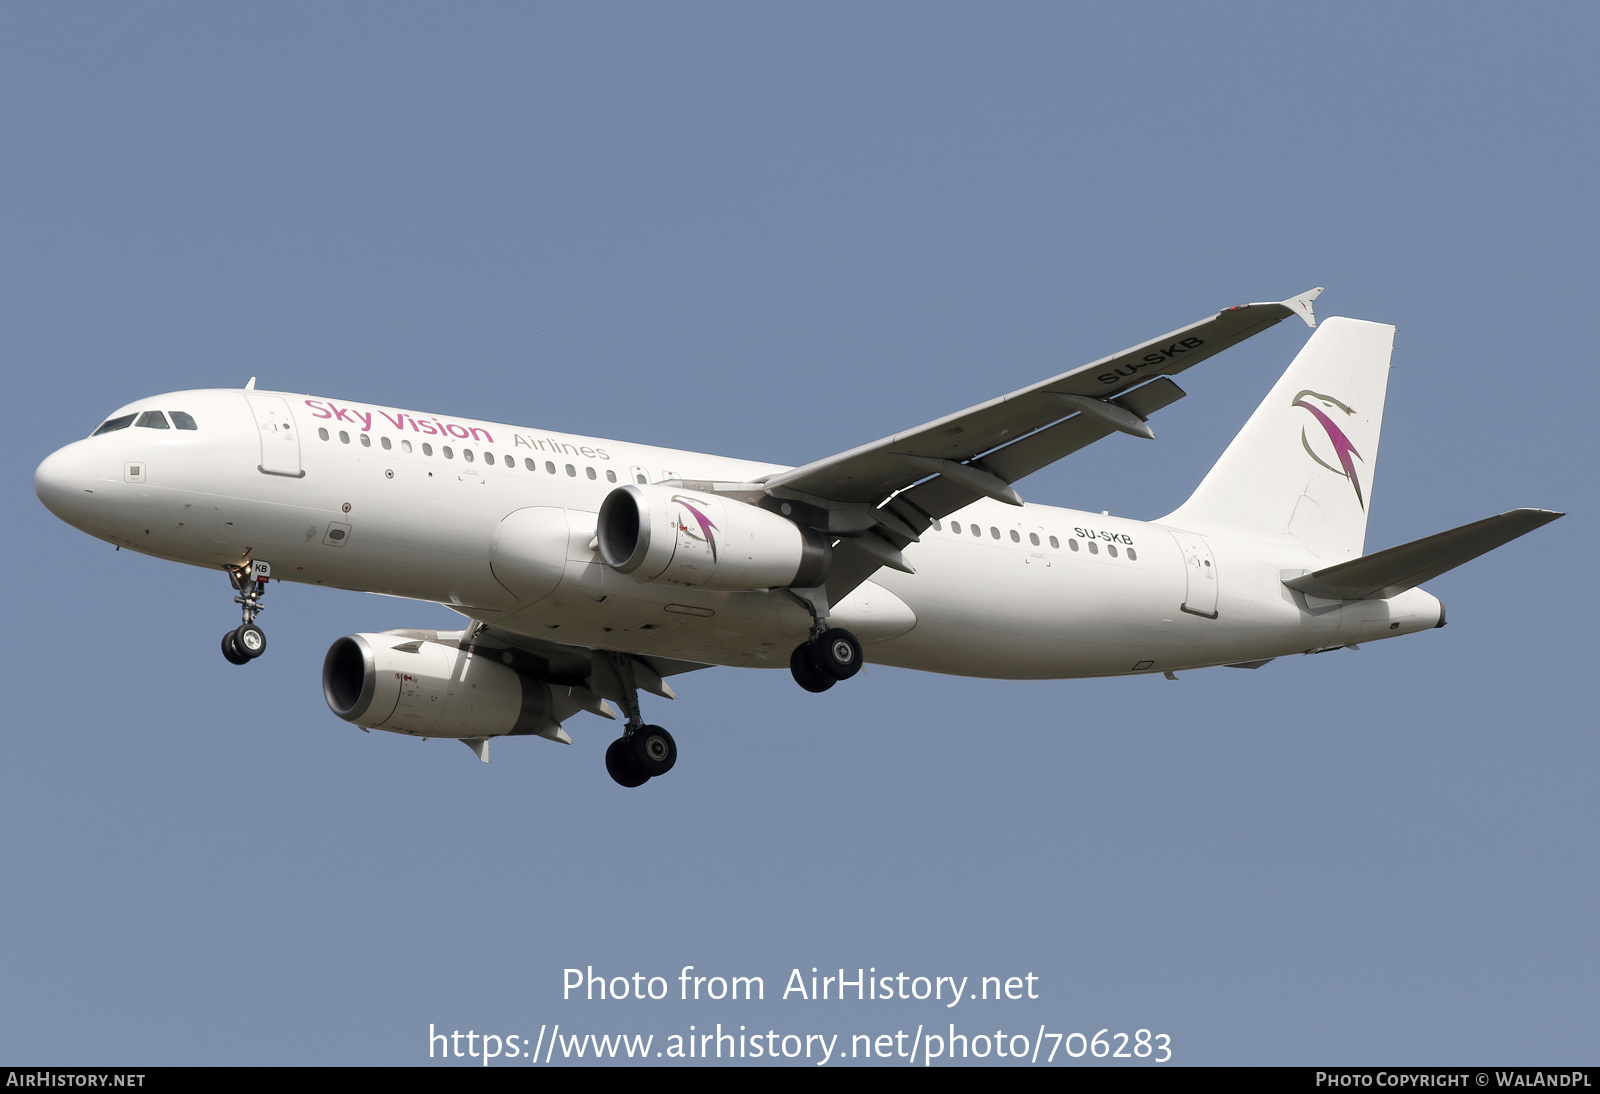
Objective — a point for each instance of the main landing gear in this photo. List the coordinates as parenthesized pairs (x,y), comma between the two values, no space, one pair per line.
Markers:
(248,641)
(643,751)
(824,660)
(831,654)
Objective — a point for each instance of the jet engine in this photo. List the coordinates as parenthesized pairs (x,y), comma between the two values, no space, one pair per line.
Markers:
(430,688)
(697,540)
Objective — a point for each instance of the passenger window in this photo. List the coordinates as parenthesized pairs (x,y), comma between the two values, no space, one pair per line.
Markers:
(1094,548)
(611,476)
(529,464)
(589,471)
(385,442)
(405,446)
(1073,544)
(448,452)
(466,454)
(549,468)
(955,527)
(181,420)
(427,449)
(323,433)
(1133,556)
(1014,537)
(344,438)
(937,527)
(640,479)
(1111,549)
(488,458)
(366,441)
(1033,538)
(1056,543)
(152,419)
(113,425)
(572,472)
(993,531)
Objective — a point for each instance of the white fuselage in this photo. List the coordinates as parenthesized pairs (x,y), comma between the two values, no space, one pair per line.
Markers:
(1029,592)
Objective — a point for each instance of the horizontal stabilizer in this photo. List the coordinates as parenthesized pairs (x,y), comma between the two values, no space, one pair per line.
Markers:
(1390,573)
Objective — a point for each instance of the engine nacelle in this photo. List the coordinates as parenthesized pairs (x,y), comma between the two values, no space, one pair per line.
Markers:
(432,689)
(697,540)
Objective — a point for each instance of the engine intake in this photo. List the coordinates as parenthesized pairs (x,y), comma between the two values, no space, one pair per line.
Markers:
(697,540)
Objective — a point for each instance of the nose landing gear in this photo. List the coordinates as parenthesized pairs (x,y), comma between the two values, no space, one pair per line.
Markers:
(248,641)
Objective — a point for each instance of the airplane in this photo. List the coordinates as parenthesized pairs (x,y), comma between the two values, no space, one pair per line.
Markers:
(590,570)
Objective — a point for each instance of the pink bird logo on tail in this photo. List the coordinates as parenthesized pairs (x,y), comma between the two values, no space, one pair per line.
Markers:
(1343,450)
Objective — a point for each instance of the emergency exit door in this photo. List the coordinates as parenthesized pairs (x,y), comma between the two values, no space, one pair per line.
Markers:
(1200,569)
(280,440)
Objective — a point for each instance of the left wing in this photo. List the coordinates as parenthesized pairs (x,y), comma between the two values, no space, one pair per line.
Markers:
(876,497)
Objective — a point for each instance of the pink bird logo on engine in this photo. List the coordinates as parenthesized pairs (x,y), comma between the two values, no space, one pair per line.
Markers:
(1343,450)
(702,520)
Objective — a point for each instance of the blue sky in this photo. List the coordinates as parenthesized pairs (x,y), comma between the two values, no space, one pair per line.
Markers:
(776,233)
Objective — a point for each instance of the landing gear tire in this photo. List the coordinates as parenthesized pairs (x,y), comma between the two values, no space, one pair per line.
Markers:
(231,652)
(619,765)
(837,653)
(652,750)
(805,670)
(250,641)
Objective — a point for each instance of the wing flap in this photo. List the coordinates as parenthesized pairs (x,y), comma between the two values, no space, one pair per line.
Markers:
(941,496)
(1389,573)
(1021,458)
(570,665)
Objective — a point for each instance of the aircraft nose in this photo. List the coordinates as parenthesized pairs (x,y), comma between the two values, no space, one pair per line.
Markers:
(65,482)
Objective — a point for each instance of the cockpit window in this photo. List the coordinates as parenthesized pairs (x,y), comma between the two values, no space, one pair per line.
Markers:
(181,420)
(152,419)
(114,424)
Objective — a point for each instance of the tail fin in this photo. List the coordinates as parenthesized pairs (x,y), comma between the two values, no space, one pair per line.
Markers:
(1302,468)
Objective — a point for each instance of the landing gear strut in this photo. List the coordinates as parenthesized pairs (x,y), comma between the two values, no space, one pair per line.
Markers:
(643,751)
(248,641)
(831,654)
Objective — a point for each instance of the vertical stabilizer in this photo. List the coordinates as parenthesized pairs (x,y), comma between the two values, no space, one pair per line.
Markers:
(1302,469)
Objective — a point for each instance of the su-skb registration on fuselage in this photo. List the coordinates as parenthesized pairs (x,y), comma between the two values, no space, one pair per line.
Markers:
(590,570)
